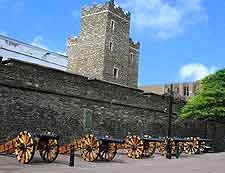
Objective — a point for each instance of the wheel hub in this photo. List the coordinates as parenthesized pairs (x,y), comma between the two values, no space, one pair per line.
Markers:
(134,147)
(89,148)
(23,147)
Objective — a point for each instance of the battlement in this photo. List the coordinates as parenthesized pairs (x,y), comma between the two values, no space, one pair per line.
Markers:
(72,41)
(107,6)
(133,44)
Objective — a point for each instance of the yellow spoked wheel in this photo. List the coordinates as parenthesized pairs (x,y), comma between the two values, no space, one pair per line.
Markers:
(134,146)
(202,147)
(161,146)
(49,150)
(149,149)
(192,146)
(180,146)
(89,148)
(173,147)
(107,151)
(24,147)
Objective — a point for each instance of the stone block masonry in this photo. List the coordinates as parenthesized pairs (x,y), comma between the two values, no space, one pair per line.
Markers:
(37,98)
(103,49)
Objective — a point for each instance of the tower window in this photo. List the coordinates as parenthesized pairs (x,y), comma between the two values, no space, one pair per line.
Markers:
(186,91)
(131,58)
(177,90)
(115,73)
(112,24)
(111,46)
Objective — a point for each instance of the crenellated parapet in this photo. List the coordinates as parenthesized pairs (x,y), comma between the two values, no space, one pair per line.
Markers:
(107,6)
(72,40)
(135,45)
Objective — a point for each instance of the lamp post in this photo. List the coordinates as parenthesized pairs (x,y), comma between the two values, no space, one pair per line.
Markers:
(170,111)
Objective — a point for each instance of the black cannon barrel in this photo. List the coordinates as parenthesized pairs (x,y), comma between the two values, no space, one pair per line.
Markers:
(110,140)
(181,139)
(205,140)
(46,135)
(153,139)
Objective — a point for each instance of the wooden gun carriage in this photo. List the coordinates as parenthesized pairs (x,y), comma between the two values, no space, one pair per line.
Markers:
(146,146)
(25,145)
(92,147)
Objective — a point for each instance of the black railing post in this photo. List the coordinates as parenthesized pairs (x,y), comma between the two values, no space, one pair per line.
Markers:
(72,155)
(177,148)
(205,129)
(170,111)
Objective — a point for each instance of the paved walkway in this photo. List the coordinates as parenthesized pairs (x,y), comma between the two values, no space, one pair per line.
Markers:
(206,163)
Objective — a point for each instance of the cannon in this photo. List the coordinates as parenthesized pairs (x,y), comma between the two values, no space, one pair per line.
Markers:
(138,147)
(25,145)
(196,145)
(92,147)
(188,145)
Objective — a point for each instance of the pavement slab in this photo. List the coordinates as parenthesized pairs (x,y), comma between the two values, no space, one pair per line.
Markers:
(205,163)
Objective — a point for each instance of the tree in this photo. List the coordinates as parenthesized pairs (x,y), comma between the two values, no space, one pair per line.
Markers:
(209,101)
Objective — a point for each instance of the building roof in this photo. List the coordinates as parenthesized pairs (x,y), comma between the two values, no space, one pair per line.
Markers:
(30,45)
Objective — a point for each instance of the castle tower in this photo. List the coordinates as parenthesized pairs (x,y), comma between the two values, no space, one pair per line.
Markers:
(104,50)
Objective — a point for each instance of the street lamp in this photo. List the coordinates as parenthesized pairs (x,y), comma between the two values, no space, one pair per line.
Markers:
(170,112)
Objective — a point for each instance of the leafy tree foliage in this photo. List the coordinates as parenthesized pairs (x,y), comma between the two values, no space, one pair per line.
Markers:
(209,101)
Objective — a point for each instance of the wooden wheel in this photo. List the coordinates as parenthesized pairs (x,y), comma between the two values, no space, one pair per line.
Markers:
(202,146)
(196,146)
(161,148)
(89,148)
(192,146)
(49,149)
(180,147)
(134,146)
(107,151)
(173,146)
(24,147)
(149,148)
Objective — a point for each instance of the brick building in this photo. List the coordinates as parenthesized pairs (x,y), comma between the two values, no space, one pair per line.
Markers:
(182,90)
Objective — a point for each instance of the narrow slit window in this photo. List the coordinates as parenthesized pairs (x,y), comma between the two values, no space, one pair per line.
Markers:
(116,73)
(112,24)
(111,46)
(131,58)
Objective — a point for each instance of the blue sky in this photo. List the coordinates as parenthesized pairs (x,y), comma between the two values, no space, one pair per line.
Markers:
(181,40)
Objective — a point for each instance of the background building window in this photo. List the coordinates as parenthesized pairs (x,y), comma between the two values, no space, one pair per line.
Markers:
(115,73)
(177,90)
(168,90)
(111,46)
(112,24)
(186,91)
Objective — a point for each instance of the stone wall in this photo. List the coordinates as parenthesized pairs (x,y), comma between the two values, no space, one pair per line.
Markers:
(35,98)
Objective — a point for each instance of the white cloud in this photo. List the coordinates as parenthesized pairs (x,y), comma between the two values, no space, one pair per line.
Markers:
(195,71)
(39,42)
(164,18)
